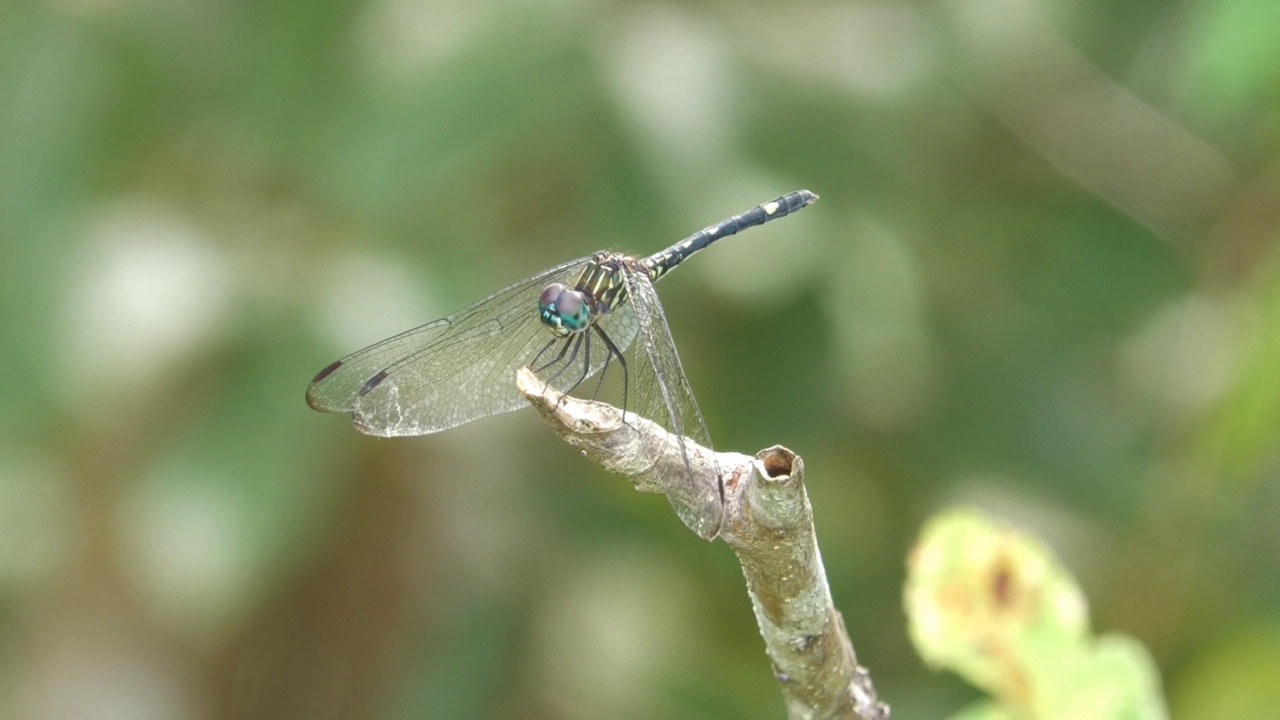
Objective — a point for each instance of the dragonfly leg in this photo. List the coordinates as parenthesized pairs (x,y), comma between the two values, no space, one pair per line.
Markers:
(608,358)
(626,376)
(563,349)
(586,365)
(534,363)
(577,345)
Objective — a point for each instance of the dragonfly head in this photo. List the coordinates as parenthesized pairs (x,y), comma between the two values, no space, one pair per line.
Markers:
(563,310)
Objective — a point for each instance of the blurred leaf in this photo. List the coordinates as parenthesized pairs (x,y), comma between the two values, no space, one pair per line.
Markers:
(989,603)
(1115,678)
(995,606)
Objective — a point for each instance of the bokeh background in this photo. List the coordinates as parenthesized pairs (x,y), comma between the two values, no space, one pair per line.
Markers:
(1043,279)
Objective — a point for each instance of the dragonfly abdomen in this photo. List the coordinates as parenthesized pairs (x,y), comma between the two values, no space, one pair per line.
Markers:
(663,262)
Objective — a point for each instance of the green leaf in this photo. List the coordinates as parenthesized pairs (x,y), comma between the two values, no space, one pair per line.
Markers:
(997,608)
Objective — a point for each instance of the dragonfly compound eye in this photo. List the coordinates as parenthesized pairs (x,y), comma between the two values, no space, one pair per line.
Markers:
(573,310)
(548,299)
(565,311)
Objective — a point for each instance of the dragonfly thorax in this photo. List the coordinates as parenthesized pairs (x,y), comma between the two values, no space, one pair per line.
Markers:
(564,310)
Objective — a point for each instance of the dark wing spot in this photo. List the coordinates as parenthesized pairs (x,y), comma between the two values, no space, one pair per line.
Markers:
(372,383)
(326,372)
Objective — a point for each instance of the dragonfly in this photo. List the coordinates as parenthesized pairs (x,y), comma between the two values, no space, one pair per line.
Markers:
(567,323)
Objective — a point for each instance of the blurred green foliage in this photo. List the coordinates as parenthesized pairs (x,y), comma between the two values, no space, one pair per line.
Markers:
(1042,280)
(996,607)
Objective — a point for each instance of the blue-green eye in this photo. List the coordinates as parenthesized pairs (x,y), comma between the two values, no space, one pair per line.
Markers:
(563,310)
(549,295)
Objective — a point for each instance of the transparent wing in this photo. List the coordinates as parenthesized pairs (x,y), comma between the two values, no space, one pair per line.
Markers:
(621,325)
(662,394)
(445,373)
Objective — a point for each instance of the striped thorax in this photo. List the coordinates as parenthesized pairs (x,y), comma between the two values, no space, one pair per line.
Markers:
(599,289)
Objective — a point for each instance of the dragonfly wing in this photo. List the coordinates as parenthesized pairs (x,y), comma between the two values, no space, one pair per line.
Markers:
(621,325)
(445,373)
(662,394)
